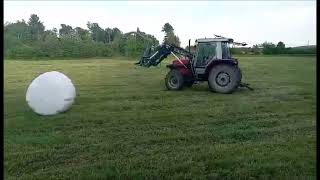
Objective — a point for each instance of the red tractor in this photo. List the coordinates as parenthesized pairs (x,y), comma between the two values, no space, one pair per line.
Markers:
(211,62)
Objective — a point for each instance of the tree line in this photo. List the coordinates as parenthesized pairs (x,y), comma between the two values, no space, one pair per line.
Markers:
(268,48)
(31,40)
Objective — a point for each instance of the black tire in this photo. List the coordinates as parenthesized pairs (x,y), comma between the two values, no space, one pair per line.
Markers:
(174,80)
(224,78)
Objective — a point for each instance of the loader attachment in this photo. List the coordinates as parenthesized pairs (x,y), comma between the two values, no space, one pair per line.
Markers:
(161,52)
(153,59)
(146,54)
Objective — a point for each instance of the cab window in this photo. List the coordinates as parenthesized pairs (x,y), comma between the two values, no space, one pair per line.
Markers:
(205,52)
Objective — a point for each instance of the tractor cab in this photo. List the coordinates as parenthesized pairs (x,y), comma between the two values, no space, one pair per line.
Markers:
(209,49)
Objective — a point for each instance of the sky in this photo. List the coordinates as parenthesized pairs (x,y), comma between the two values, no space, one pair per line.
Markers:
(253,22)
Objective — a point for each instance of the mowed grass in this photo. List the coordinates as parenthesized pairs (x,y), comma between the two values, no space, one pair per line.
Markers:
(124,124)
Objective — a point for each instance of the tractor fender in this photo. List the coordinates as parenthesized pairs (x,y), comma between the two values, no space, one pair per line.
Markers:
(182,69)
(213,63)
(175,66)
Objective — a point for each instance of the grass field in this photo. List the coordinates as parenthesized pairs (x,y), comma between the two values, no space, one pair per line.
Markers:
(126,125)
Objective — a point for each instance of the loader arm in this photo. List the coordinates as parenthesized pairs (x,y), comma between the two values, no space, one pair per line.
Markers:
(160,54)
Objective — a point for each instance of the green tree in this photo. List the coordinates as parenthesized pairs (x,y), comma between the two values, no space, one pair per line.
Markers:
(133,47)
(269,48)
(115,33)
(97,33)
(83,34)
(256,49)
(15,34)
(173,39)
(167,28)
(36,27)
(66,31)
(281,47)
(109,33)
(170,37)
(19,29)
(50,45)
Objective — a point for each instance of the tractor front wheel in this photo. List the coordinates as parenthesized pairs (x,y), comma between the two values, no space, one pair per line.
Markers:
(224,78)
(174,80)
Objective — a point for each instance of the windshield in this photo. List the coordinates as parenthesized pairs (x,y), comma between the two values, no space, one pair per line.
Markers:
(225,50)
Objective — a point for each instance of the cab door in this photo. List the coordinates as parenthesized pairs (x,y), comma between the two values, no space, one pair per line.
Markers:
(206,52)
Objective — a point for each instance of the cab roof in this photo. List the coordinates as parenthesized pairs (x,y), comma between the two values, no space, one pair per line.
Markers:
(203,40)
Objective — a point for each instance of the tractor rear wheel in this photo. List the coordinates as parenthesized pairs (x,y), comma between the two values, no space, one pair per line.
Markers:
(224,78)
(174,80)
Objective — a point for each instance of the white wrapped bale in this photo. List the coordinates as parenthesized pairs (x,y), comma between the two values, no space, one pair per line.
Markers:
(50,93)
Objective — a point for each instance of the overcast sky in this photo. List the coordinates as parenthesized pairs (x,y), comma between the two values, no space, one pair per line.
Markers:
(293,22)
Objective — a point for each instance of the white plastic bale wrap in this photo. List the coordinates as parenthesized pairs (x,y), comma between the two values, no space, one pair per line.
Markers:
(50,93)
